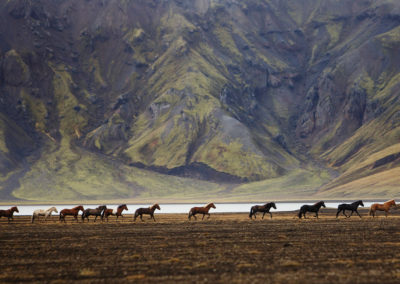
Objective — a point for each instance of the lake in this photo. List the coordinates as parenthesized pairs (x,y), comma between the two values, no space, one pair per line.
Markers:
(184,208)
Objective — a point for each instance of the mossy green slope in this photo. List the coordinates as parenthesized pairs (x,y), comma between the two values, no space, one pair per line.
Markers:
(293,98)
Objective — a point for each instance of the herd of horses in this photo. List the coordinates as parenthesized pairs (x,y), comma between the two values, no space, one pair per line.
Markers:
(103,212)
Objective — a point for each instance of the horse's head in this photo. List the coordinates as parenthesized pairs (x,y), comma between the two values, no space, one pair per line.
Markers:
(273,205)
(102,208)
(14,209)
(80,207)
(322,204)
(392,203)
(122,207)
(211,205)
(360,203)
(156,206)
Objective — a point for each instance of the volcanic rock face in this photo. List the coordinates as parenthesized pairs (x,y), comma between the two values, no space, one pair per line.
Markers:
(227,90)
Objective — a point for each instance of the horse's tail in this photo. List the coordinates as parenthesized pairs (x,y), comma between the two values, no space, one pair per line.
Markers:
(299,215)
(251,212)
(190,214)
(33,218)
(370,211)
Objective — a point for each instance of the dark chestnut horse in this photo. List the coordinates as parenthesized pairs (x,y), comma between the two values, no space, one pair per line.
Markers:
(311,208)
(381,207)
(117,212)
(9,213)
(149,211)
(350,207)
(201,210)
(261,208)
(71,212)
(95,212)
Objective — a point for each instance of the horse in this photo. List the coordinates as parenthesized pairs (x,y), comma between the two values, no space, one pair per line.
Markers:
(9,213)
(117,212)
(96,212)
(353,207)
(42,212)
(381,207)
(149,211)
(311,208)
(72,212)
(201,210)
(261,208)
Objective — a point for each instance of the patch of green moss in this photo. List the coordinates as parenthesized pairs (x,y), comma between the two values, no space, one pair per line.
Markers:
(38,110)
(224,35)
(390,39)
(134,34)
(334,29)
(297,184)
(233,159)
(96,71)
(66,102)
(367,84)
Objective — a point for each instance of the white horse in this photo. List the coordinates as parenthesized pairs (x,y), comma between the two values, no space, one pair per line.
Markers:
(45,213)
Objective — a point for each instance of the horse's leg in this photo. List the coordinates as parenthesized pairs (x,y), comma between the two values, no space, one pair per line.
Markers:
(358,213)
(263,215)
(152,215)
(316,214)
(203,216)
(141,217)
(270,214)
(208,215)
(337,213)
(344,213)
(95,218)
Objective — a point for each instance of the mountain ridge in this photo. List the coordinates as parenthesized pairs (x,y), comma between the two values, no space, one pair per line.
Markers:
(222,91)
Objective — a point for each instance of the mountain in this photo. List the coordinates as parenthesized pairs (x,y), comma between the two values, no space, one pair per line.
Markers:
(198,100)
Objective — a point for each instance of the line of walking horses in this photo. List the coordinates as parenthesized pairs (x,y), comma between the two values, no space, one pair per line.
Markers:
(104,212)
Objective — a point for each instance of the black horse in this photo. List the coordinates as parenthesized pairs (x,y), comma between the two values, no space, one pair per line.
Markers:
(261,208)
(95,212)
(311,208)
(353,207)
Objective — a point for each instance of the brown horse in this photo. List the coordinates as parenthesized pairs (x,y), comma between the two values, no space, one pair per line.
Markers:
(261,208)
(71,212)
(149,211)
(381,207)
(117,212)
(201,210)
(9,213)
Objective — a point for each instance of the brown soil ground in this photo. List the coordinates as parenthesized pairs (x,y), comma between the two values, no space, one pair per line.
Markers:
(225,248)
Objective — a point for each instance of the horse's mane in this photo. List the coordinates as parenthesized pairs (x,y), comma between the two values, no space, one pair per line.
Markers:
(122,205)
(319,202)
(209,204)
